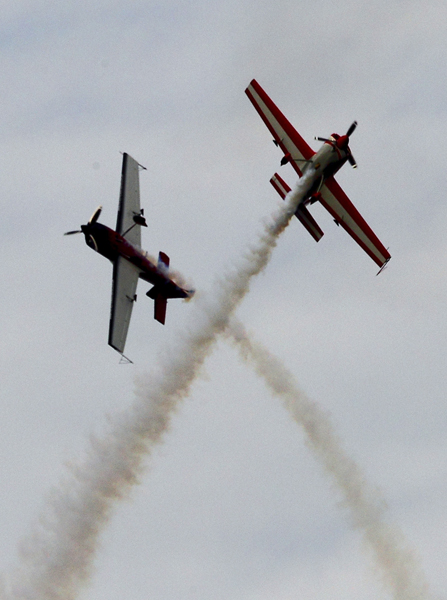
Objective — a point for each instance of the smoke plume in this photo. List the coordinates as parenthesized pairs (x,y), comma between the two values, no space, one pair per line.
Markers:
(401,572)
(56,561)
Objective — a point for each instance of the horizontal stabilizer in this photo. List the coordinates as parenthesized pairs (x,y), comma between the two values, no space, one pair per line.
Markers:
(160,304)
(280,185)
(302,214)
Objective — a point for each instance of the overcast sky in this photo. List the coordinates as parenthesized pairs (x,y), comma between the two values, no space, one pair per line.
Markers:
(233,503)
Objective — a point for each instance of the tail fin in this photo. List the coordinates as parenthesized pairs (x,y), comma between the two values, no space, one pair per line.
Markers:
(302,214)
(163,261)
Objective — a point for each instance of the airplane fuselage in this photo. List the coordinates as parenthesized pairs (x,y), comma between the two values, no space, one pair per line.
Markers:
(111,244)
(325,163)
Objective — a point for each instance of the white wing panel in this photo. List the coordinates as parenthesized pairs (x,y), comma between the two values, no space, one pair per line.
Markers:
(295,149)
(345,214)
(125,279)
(129,204)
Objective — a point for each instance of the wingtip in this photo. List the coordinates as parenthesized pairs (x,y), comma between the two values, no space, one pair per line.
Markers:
(384,266)
(253,84)
(124,360)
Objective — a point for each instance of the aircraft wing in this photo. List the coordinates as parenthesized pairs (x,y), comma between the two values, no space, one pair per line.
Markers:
(125,279)
(129,204)
(296,150)
(345,214)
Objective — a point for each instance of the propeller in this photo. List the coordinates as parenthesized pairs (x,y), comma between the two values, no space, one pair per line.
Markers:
(351,129)
(345,145)
(352,162)
(342,142)
(95,216)
(92,221)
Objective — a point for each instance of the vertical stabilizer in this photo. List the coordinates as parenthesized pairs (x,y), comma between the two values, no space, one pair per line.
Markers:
(163,261)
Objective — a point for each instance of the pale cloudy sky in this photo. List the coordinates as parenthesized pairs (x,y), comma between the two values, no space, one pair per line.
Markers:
(233,504)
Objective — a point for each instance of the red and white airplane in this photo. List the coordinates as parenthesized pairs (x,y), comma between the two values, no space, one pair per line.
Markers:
(123,248)
(322,185)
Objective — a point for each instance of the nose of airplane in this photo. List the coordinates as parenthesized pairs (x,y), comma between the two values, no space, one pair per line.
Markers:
(342,142)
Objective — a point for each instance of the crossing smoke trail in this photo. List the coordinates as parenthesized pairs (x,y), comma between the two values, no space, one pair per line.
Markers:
(56,560)
(399,568)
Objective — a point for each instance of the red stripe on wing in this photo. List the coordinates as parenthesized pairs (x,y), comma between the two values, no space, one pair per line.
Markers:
(304,149)
(347,205)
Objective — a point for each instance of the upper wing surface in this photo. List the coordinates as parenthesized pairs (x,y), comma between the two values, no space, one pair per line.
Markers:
(286,136)
(129,204)
(345,214)
(125,279)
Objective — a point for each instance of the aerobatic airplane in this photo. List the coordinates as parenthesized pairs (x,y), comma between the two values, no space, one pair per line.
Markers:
(322,185)
(123,248)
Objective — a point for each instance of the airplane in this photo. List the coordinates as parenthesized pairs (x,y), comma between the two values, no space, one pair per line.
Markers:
(322,186)
(123,248)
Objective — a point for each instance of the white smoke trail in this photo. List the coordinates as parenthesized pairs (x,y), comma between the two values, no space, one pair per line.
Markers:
(401,572)
(57,560)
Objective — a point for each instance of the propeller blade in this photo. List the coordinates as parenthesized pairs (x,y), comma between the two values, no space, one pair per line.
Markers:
(320,139)
(352,162)
(72,232)
(351,128)
(95,216)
